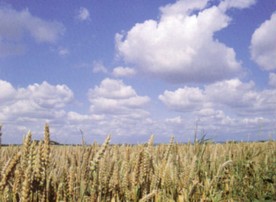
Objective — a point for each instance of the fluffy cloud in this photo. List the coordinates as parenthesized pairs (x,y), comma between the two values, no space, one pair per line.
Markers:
(180,47)
(27,108)
(231,92)
(263,49)
(240,98)
(115,108)
(37,99)
(124,111)
(7,91)
(123,72)
(15,24)
(47,95)
(83,14)
(113,96)
(183,99)
(228,107)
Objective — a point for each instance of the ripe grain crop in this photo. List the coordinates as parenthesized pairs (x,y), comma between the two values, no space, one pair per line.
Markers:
(202,171)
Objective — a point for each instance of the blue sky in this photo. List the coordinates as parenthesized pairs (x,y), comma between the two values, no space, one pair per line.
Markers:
(136,68)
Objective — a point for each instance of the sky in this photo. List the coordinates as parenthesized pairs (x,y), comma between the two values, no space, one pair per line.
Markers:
(136,68)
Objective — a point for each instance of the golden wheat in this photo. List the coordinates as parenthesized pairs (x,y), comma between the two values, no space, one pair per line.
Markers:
(174,172)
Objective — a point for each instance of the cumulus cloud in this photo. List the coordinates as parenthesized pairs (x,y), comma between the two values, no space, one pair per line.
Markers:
(123,109)
(113,96)
(228,107)
(215,119)
(83,14)
(240,98)
(40,99)
(180,47)
(123,72)
(27,108)
(7,91)
(16,24)
(231,92)
(263,49)
(183,99)
(47,95)
(115,107)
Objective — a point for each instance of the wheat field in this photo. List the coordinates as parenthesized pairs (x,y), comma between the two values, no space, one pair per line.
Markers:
(202,171)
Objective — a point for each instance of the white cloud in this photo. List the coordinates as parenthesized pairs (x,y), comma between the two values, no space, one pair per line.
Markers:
(30,107)
(272,79)
(228,107)
(36,99)
(263,49)
(83,14)
(174,120)
(231,92)
(113,96)
(123,109)
(110,88)
(7,91)
(181,47)
(241,99)
(81,118)
(16,24)
(215,119)
(123,72)
(47,95)
(241,4)
(183,99)
(115,108)
(182,6)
